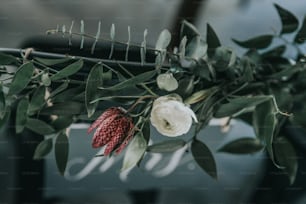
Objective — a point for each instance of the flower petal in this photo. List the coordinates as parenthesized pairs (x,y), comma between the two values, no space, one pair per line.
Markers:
(106,114)
(104,132)
(127,139)
(118,135)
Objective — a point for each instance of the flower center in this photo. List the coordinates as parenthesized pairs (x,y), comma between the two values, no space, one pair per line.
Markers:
(167,125)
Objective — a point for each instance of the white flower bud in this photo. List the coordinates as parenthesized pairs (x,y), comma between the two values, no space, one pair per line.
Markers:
(167,82)
(171,117)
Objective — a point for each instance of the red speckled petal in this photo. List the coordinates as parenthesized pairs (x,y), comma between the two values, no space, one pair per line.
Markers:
(104,132)
(127,139)
(118,135)
(109,112)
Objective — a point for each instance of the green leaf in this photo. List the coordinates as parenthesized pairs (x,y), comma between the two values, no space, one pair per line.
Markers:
(264,123)
(238,105)
(22,78)
(38,126)
(224,58)
(134,152)
(5,119)
(62,122)
(64,108)
(163,40)
(204,158)
(275,52)
(242,146)
(146,131)
(59,89)
(43,148)
(188,30)
(301,35)
(132,81)
(286,156)
(50,62)
(212,40)
(70,94)
(61,151)
(259,42)
(289,22)
(7,59)
(37,100)
(196,48)
(94,80)
(182,48)
(21,114)
(68,71)
(2,103)
(166,146)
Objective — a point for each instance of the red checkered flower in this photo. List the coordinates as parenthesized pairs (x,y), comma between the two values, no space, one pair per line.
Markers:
(114,129)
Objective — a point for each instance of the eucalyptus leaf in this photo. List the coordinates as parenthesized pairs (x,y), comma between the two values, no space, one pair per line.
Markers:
(38,126)
(212,40)
(204,158)
(69,94)
(64,108)
(50,62)
(132,81)
(134,152)
(196,48)
(275,52)
(237,105)
(59,89)
(163,40)
(166,146)
(21,114)
(223,58)
(259,42)
(37,100)
(188,30)
(289,22)
(167,82)
(242,146)
(43,148)
(62,122)
(182,48)
(143,49)
(300,37)
(2,103)
(61,150)
(185,86)
(5,119)
(94,80)
(112,37)
(198,96)
(6,59)
(286,156)
(68,71)
(264,123)
(21,78)
(247,75)
(146,131)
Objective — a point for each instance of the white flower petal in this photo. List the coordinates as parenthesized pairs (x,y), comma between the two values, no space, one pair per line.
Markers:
(171,117)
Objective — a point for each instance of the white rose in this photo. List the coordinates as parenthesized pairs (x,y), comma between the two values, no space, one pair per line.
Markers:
(171,117)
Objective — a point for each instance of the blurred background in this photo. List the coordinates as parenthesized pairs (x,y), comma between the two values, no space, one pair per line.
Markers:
(242,179)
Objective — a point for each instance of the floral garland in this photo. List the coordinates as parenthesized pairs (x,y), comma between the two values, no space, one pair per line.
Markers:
(180,92)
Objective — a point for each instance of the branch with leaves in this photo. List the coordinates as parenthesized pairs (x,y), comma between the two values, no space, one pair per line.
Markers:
(179,93)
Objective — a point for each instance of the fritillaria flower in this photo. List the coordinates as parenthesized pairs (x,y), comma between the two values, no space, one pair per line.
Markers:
(171,117)
(114,129)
